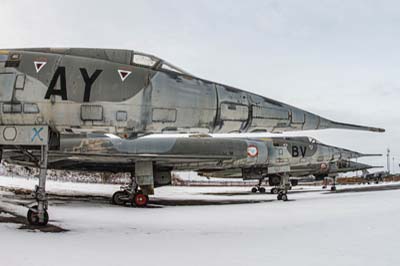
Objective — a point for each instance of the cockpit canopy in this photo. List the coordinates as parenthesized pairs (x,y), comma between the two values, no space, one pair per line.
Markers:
(114,55)
(310,140)
(286,140)
(153,62)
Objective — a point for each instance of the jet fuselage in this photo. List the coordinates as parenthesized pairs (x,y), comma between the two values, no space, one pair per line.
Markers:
(75,90)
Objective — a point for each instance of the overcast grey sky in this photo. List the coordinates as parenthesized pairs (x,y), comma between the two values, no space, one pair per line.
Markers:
(339,59)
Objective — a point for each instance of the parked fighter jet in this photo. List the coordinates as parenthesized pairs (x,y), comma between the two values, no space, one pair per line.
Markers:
(300,161)
(319,170)
(331,172)
(49,92)
(374,177)
(255,158)
(127,92)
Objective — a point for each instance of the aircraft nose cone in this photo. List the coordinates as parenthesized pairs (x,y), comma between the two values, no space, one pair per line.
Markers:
(326,123)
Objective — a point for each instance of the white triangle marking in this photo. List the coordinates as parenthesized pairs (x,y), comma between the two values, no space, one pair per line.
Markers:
(39,65)
(123,74)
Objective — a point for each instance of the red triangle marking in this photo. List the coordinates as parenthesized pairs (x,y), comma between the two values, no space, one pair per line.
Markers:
(124,74)
(39,65)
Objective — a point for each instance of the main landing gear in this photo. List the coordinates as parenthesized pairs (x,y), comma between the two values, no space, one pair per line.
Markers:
(130,194)
(333,187)
(258,188)
(325,184)
(283,188)
(37,214)
(275,190)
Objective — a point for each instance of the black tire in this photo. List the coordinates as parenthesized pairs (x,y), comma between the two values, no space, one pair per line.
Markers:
(274,190)
(274,181)
(262,190)
(333,188)
(33,218)
(254,190)
(119,197)
(279,197)
(284,197)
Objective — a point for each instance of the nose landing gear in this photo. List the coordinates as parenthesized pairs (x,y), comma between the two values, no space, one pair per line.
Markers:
(130,194)
(33,217)
(37,214)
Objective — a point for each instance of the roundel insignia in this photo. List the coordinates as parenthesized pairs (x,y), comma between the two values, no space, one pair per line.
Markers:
(252,151)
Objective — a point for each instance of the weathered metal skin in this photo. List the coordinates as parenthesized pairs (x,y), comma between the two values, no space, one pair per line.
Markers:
(294,156)
(219,152)
(247,158)
(203,154)
(170,153)
(332,169)
(83,90)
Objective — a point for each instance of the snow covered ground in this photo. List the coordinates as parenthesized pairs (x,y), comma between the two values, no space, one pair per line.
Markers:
(314,228)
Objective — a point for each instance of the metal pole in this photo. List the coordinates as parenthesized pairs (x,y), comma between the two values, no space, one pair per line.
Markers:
(356,171)
(388,160)
(393,165)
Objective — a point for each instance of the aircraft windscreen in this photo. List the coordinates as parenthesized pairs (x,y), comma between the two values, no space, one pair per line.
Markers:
(151,61)
(169,67)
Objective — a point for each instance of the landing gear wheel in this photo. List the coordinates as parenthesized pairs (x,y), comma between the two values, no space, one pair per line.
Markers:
(140,200)
(254,190)
(279,197)
(33,217)
(333,188)
(262,190)
(274,190)
(119,197)
(284,197)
